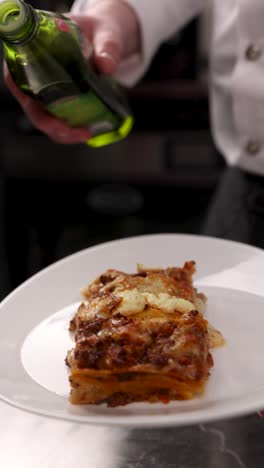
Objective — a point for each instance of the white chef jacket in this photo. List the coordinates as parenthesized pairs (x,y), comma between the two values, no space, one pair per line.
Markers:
(236,67)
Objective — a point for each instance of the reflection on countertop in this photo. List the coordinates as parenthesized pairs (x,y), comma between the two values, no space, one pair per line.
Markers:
(28,441)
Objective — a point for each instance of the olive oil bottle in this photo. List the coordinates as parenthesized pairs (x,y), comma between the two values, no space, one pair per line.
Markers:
(44,53)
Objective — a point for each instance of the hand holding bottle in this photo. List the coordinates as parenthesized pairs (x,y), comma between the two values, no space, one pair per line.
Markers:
(112,28)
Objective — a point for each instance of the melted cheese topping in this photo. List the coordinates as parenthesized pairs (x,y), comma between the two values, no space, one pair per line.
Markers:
(132,303)
(135,301)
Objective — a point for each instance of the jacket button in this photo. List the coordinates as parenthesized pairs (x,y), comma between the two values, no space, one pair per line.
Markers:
(253,148)
(253,53)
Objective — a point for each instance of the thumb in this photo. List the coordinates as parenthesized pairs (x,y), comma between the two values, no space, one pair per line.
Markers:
(106,41)
(107,48)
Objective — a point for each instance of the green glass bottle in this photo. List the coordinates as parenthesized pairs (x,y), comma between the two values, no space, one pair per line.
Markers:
(44,54)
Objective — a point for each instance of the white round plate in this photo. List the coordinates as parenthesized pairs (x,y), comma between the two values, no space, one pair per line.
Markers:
(34,335)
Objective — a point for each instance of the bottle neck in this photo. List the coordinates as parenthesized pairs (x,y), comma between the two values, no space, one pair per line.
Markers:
(18,21)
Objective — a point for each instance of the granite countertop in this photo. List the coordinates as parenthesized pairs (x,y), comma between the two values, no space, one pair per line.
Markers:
(30,441)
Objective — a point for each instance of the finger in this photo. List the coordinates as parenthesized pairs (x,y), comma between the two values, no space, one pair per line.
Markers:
(106,40)
(85,23)
(22,98)
(107,50)
(71,136)
(32,109)
(55,129)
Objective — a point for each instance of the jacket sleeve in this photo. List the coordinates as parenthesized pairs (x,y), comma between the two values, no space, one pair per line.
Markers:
(159,20)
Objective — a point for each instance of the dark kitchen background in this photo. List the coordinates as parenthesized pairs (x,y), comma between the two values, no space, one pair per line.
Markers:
(56,199)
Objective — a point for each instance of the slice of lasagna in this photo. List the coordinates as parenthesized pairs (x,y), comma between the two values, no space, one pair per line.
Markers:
(140,337)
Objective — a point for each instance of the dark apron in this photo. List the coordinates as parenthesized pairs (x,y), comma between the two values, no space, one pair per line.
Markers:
(236,211)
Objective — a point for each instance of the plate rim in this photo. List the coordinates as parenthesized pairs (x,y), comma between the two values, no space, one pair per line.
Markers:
(81,252)
(147,421)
